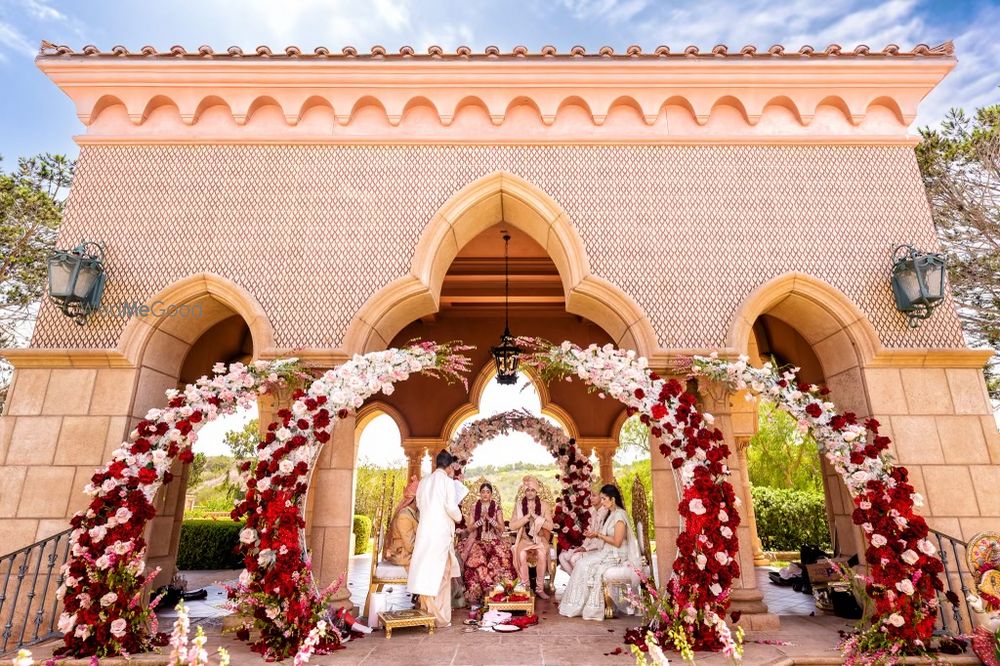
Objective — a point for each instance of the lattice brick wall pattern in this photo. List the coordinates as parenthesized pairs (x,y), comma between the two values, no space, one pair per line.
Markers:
(313,231)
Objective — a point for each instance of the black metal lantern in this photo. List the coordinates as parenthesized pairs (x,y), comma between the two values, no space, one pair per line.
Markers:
(506,355)
(917,282)
(76,279)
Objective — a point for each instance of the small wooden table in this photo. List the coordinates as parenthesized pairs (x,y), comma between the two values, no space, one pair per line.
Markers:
(406,618)
(528,605)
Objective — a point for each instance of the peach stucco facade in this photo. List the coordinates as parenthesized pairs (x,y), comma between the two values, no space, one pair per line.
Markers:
(673,203)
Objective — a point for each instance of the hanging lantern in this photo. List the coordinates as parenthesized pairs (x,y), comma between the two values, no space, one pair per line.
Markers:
(76,280)
(506,355)
(917,282)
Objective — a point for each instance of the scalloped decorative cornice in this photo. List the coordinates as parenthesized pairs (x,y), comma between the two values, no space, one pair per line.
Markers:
(747,81)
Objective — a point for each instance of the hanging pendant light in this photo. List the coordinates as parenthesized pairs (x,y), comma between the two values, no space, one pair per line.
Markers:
(506,355)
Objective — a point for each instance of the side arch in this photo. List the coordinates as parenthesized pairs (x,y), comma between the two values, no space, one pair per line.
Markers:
(471,210)
(819,311)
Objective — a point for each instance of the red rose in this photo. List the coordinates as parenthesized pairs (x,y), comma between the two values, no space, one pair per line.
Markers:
(147,475)
(658,411)
(186,456)
(814,410)
(639,394)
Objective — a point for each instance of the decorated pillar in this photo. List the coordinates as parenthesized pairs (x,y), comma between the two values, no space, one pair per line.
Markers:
(666,519)
(717,400)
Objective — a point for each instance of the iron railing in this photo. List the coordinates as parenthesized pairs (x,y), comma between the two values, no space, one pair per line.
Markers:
(954,614)
(29,608)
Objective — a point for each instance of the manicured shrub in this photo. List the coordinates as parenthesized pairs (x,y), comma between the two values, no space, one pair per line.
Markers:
(362,534)
(786,518)
(209,544)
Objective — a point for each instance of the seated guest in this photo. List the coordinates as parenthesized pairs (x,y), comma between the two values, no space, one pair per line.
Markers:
(532,521)
(569,557)
(402,532)
(584,595)
(486,553)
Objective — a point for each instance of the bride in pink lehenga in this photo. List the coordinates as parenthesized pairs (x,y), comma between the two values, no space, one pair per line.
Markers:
(486,553)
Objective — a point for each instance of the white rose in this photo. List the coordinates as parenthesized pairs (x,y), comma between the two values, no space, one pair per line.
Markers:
(286,466)
(723,516)
(123,515)
(909,556)
(896,620)
(67,622)
(109,598)
(118,627)
(82,632)
(926,547)
(726,532)
(696,507)
(103,562)
(878,540)
(248,535)
(722,558)
(84,600)
(701,561)
(905,586)
(69,581)
(864,505)
(715,589)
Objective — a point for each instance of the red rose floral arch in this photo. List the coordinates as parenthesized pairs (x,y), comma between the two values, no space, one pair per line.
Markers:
(104,581)
(573,506)
(904,572)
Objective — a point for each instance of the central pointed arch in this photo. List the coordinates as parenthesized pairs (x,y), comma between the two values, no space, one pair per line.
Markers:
(500,196)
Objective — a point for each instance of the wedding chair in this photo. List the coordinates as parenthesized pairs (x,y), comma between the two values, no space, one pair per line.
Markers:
(625,576)
(383,572)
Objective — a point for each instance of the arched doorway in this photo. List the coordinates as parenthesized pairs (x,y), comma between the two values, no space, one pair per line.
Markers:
(203,320)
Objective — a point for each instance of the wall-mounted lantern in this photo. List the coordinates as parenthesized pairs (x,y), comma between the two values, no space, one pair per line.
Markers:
(76,279)
(507,354)
(917,282)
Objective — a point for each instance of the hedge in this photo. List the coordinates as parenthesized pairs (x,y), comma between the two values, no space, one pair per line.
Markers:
(209,544)
(787,519)
(362,534)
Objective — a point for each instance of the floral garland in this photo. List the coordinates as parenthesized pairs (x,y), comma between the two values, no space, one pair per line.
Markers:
(572,511)
(276,594)
(903,566)
(708,550)
(104,580)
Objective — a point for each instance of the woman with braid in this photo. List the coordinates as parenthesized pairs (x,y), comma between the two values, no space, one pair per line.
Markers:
(486,553)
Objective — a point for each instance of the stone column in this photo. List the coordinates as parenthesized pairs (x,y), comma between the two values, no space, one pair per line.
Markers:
(747,597)
(666,520)
(604,448)
(330,509)
(414,451)
(759,560)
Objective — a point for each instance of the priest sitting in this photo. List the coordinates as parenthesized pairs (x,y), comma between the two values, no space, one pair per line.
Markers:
(403,528)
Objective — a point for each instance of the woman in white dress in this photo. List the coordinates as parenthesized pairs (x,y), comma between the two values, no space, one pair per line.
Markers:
(584,595)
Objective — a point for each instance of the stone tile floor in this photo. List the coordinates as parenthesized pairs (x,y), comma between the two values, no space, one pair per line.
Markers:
(805,637)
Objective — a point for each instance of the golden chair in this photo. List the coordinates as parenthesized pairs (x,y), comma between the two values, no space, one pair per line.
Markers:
(383,572)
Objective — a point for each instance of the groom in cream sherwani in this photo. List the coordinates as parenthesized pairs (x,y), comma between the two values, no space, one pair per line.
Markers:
(434,563)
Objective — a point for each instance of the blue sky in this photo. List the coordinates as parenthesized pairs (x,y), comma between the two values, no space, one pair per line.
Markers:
(36,117)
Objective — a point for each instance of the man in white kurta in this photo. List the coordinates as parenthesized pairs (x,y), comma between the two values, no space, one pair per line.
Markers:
(434,563)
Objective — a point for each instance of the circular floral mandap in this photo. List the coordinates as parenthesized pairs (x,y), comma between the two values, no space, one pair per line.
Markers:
(105,581)
(572,510)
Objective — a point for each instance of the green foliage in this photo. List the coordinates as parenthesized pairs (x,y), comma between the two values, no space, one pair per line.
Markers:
(373,485)
(780,456)
(31,206)
(788,518)
(362,534)
(634,436)
(626,477)
(197,469)
(960,165)
(209,544)
(243,443)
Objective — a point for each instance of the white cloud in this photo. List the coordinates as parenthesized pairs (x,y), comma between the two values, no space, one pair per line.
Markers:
(40,10)
(613,11)
(13,41)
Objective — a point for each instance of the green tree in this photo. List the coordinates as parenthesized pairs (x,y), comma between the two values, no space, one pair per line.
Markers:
(960,165)
(780,455)
(31,207)
(634,436)
(374,486)
(197,469)
(243,444)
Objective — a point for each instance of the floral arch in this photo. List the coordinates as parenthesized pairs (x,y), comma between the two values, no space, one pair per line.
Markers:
(105,579)
(574,502)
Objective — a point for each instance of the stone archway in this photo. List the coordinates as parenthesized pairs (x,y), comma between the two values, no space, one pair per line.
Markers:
(216,321)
